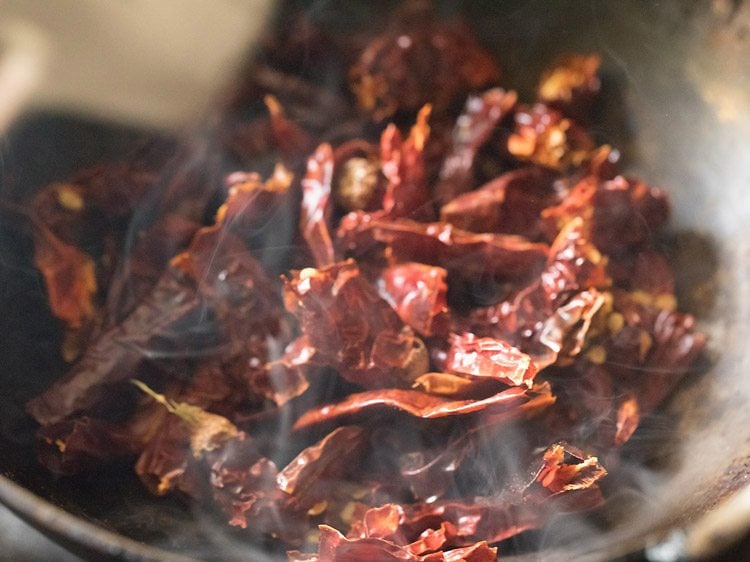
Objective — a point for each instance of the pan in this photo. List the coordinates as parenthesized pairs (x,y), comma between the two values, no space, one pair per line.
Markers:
(679,73)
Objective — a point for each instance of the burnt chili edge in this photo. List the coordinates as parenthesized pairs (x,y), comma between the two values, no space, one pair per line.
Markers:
(78,536)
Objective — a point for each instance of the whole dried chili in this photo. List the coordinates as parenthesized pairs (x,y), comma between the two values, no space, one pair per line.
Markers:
(419,404)
(366,421)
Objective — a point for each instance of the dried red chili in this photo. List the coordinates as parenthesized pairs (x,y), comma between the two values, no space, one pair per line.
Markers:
(335,547)
(352,328)
(543,136)
(471,356)
(70,278)
(509,204)
(467,254)
(420,60)
(622,213)
(473,129)
(316,205)
(419,404)
(402,163)
(418,293)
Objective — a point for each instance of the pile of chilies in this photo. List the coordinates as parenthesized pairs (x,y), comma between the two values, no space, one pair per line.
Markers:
(439,365)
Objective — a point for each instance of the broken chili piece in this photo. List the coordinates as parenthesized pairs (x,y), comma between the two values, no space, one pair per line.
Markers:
(471,356)
(571,84)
